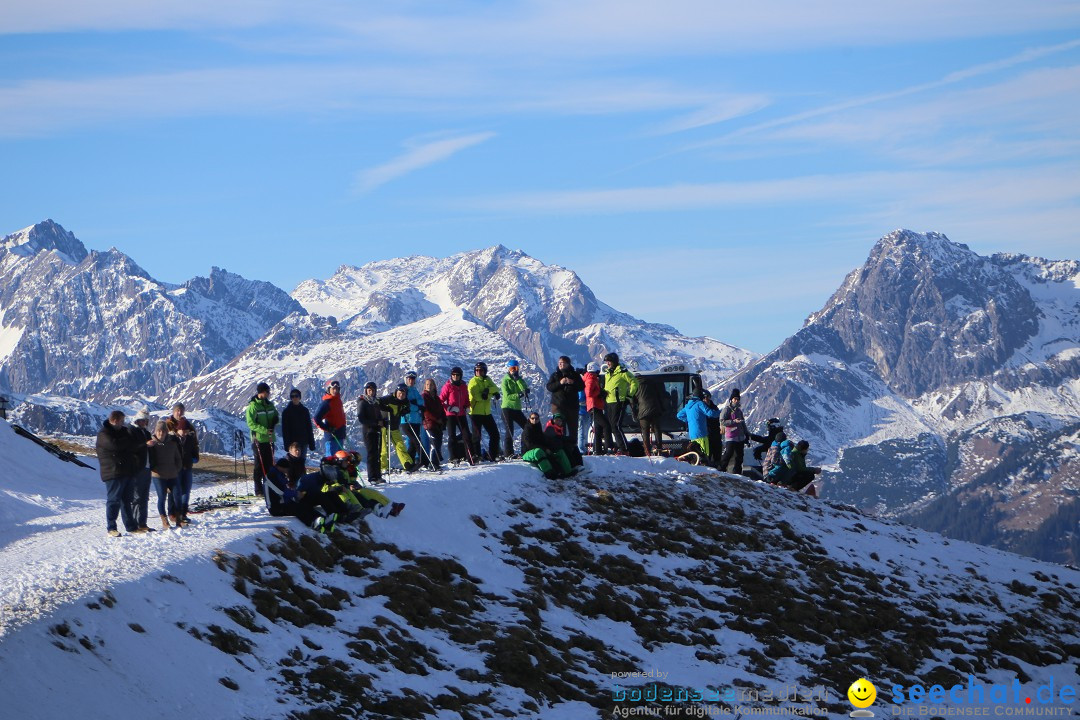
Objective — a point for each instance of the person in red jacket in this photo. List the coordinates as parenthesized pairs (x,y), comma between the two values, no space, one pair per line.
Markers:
(594,403)
(434,421)
(330,417)
(455,399)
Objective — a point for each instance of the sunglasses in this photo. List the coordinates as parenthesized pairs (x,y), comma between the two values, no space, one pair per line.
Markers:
(534,417)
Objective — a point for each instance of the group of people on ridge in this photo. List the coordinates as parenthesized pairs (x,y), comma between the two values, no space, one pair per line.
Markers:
(415,423)
(719,437)
(130,458)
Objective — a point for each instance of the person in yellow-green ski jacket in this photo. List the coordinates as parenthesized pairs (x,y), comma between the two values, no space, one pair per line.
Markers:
(261,417)
(514,388)
(482,391)
(620,386)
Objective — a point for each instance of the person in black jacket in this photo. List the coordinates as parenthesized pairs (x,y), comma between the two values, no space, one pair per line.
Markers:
(564,385)
(296,423)
(649,405)
(371,420)
(140,435)
(116,459)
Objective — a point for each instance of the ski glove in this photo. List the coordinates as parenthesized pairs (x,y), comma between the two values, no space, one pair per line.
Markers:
(497,396)
(484,393)
(455,410)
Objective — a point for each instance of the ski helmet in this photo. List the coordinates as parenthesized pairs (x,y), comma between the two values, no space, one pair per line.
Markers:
(402,387)
(262,388)
(410,374)
(612,358)
(706,395)
(592,367)
(511,363)
(332,384)
(341,455)
(480,367)
(369,385)
(456,371)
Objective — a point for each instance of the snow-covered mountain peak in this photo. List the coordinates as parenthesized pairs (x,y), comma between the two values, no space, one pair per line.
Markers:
(45,236)
(903,245)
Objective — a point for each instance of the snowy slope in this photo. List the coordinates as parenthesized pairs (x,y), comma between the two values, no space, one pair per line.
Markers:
(497,593)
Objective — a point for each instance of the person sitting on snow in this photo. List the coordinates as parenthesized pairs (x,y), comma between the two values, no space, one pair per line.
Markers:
(305,500)
(544,450)
(801,476)
(360,499)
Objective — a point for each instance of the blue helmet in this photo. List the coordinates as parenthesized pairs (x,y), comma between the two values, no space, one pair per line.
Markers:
(511,363)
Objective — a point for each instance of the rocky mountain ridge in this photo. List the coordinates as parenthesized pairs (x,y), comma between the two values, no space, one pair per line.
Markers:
(924,370)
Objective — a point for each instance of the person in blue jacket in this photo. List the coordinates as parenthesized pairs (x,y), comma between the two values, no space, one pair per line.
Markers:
(695,414)
(412,423)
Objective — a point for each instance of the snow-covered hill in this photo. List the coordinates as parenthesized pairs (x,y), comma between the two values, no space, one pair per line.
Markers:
(945,388)
(499,594)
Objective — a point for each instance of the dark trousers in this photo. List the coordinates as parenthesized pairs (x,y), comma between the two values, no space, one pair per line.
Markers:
(601,432)
(733,453)
(572,420)
(140,501)
(183,487)
(435,434)
(650,434)
(119,493)
(373,448)
(264,458)
(800,480)
(458,427)
(512,417)
(614,412)
(166,495)
(716,442)
(307,506)
(485,423)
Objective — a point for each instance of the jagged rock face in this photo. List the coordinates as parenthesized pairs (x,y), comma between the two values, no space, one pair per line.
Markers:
(95,325)
(909,373)
(929,312)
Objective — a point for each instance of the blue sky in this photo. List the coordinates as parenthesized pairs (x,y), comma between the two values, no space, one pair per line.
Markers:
(717,166)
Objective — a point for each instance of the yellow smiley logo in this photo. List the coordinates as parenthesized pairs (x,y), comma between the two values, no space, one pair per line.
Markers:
(862,693)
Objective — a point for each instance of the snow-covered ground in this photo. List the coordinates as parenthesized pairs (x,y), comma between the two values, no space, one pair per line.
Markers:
(497,593)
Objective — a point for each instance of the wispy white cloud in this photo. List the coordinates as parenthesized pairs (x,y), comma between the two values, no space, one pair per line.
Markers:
(416,157)
(558,29)
(40,107)
(43,16)
(716,111)
(1029,116)
(998,189)
(952,78)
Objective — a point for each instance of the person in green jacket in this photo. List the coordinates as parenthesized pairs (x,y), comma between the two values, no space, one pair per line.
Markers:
(261,417)
(514,388)
(482,390)
(620,386)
